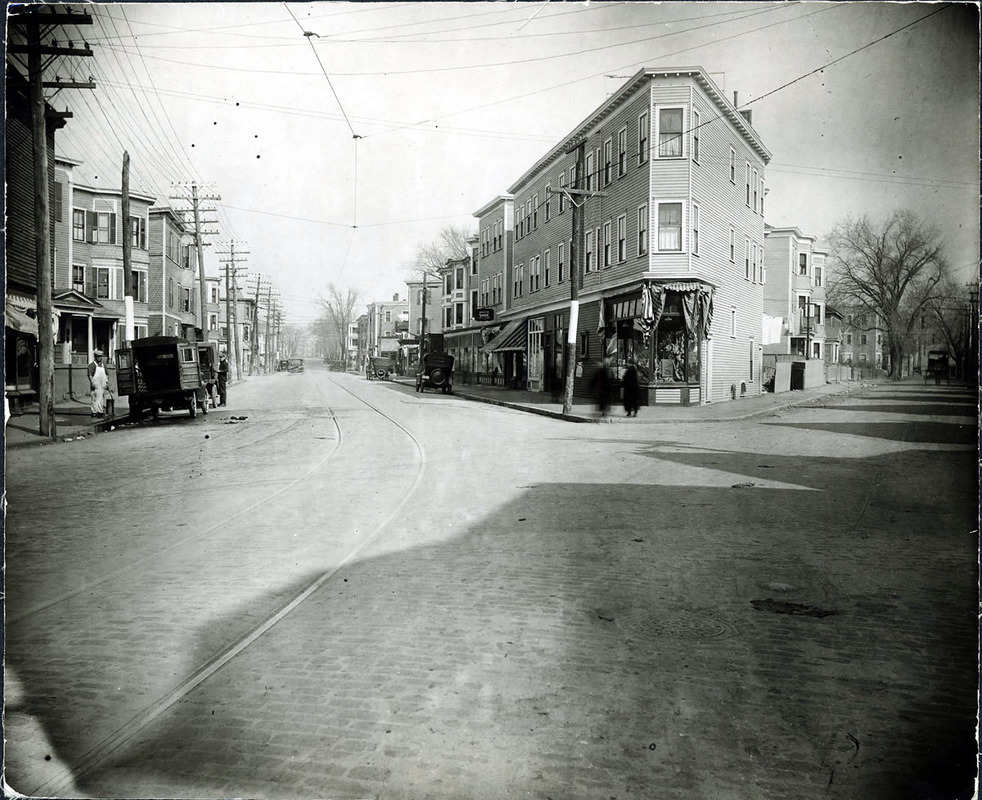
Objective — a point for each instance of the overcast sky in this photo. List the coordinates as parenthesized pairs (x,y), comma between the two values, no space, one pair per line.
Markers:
(452,102)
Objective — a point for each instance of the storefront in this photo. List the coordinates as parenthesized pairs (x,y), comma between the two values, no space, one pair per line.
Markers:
(20,349)
(661,329)
(504,352)
(465,346)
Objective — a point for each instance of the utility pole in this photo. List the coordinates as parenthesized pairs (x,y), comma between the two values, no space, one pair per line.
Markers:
(196,210)
(574,283)
(232,304)
(127,253)
(269,296)
(422,325)
(34,19)
(254,338)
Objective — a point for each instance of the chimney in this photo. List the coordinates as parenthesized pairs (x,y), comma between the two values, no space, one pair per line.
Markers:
(736,100)
(395,297)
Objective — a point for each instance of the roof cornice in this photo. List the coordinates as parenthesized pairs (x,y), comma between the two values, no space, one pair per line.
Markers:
(499,200)
(114,192)
(572,140)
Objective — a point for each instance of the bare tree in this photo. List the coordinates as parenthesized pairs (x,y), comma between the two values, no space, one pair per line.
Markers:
(451,243)
(951,316)
(293,338)
(889,271)
(430,258)
(338,309)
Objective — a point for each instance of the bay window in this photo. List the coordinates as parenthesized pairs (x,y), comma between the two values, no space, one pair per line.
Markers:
(670,227)
(669,132)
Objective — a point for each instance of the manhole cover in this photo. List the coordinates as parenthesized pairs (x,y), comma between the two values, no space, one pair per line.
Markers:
(677,625)
(794,609)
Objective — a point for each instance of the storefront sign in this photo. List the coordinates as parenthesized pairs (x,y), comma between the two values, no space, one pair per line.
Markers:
(483,314)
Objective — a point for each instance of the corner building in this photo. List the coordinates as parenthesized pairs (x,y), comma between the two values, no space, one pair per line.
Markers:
(668,245)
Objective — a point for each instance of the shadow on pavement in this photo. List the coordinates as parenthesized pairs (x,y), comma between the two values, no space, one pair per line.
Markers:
(921,408)
(913,432)
(629,651)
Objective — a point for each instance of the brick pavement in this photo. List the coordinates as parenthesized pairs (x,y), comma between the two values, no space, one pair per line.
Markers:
(622,639)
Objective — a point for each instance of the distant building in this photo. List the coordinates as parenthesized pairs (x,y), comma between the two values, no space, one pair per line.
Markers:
(796,319)
(386,322)
(462,336)
(173,275)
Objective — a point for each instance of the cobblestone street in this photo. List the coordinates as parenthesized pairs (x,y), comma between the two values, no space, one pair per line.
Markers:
(360,592)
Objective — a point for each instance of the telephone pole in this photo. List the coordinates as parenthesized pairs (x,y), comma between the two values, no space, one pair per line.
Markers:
(269,297)
(577,196)
(130,321)
(39,23)
(232,303)
(197,210)
(254,337)
(574,283)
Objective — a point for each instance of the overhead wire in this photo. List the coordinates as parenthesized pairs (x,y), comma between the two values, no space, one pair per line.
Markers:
(458,67)
(778,167)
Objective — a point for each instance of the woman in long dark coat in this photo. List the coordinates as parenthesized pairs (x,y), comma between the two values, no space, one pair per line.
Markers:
(632,391)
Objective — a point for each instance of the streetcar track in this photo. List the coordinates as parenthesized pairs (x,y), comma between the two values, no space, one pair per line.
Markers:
(60,598)
(99,753)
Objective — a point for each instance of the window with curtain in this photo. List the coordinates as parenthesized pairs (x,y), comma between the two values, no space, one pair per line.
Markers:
(669,132)
(670,226)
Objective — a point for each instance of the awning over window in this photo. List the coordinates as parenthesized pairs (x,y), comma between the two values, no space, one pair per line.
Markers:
(20,314)
(511,338)
(697,307)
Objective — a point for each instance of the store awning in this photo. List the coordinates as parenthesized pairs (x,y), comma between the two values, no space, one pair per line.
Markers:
(20,314)
(512,338)
(683,286)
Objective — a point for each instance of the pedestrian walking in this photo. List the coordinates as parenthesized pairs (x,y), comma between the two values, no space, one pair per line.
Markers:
(98,384)
(632,391)
(601,389)
(556,385)
(222,380)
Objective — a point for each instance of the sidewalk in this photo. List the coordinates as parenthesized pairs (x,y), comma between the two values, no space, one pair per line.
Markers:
(585,410)
(73,420)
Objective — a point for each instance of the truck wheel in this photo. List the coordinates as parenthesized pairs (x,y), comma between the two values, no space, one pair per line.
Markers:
(193,406)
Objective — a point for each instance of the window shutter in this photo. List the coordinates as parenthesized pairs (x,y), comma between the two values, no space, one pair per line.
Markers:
(143,234)
(56,203)
(90,283)
(90,223)
(112,229)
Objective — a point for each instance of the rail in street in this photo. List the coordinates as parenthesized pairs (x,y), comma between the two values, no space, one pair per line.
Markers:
(353,590)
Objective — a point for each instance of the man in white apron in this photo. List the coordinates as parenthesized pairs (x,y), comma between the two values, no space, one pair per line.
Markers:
(98,384)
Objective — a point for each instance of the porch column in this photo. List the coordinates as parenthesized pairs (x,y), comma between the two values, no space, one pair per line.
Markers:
(91,343)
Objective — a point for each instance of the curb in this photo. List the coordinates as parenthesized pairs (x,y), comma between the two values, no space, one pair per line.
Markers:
(792,403)
(542,412)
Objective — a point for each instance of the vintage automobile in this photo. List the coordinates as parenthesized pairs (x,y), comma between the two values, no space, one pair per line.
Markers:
(165,373)
(283,365)
(380,368)
(294,365)
(435,371)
